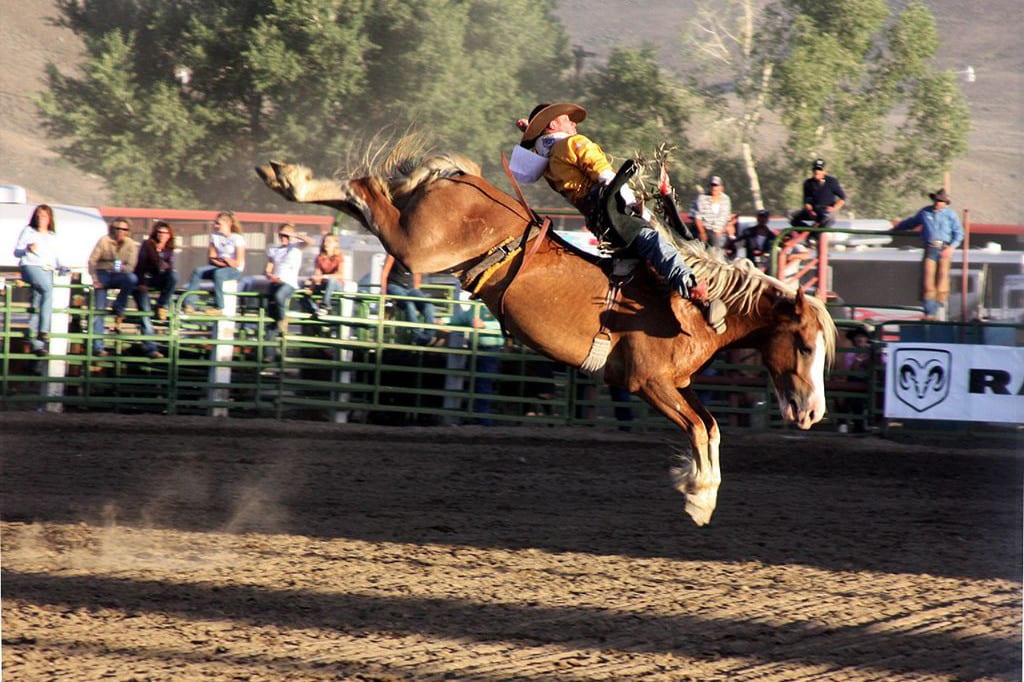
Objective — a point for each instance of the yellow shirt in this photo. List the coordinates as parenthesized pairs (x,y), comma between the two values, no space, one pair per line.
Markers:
(575,163)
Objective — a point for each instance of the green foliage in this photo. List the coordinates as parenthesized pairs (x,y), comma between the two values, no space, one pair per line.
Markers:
(313,80)
(855,85)
(633,106)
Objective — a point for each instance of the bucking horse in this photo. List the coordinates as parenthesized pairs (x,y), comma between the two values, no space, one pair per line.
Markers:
(435,213)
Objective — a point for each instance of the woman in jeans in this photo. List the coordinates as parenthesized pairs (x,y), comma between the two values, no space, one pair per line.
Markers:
(36,250)
(226,260)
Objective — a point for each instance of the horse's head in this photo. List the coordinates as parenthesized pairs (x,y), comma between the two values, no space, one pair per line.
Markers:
(799,344)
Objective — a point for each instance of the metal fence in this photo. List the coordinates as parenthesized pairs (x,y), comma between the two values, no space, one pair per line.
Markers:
(361,363)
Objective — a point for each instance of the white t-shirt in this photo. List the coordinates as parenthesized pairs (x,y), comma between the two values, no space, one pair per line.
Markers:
(227,245)
(287,261)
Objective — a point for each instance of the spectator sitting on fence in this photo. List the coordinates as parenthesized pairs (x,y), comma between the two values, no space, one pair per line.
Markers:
(155,269)
(485,365)
(326,279)
(398,280)
(283,264)
(111,265)
(36,251)
(225,260)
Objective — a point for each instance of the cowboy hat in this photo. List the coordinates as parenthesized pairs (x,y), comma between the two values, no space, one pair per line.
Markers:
(543,114)
(940,196)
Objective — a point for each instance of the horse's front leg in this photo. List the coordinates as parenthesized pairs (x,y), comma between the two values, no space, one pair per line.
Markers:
(698,476)
(700,484)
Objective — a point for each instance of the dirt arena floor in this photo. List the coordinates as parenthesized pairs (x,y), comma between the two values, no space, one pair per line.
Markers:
(156,548)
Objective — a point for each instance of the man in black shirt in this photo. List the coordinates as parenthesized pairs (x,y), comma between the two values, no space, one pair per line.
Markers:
(823,196)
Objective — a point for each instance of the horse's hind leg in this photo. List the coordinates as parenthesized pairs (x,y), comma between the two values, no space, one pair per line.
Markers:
(296,183)
(698,479)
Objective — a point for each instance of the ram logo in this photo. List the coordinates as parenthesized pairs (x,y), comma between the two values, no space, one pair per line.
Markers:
(922,376)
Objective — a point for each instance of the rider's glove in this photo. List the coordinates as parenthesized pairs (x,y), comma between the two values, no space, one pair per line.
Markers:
(687,283)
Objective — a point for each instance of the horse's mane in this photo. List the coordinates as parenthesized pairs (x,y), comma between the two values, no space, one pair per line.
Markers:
(739,284)
(400,168)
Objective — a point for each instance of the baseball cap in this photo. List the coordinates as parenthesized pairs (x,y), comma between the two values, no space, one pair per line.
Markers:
(715,180)
(819,164)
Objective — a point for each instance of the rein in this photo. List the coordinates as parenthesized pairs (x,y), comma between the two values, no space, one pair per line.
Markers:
(474,274)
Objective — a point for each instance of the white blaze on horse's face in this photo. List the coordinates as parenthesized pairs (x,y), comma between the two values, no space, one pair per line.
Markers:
(801,390)
(817,407)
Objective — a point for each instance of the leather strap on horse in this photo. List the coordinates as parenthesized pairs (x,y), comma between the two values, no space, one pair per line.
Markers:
(597,358)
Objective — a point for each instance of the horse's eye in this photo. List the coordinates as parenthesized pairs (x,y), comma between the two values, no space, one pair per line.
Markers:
(802,347)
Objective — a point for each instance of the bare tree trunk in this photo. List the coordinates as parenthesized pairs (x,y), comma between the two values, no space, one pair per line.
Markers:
(755,182)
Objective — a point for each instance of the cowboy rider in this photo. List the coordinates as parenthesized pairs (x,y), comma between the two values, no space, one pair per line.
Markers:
(578,169)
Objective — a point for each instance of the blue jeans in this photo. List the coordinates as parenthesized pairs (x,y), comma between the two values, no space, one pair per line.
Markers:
(219,275)
(277,301)
(484,386)
(41,312)
(663,257)
(165,283)
(426,308)
(329,286)
(125,281)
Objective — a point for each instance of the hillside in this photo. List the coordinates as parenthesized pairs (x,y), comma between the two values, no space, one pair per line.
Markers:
(988,41)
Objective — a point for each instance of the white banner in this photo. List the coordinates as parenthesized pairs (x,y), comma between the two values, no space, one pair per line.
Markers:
(954,382)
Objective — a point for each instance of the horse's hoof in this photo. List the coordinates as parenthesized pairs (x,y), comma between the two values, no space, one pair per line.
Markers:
(700,515)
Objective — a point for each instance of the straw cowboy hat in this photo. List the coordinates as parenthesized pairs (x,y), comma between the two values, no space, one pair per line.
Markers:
(543,114)
(940,196)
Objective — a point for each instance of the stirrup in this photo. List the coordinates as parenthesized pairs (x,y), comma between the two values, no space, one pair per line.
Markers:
(716,313)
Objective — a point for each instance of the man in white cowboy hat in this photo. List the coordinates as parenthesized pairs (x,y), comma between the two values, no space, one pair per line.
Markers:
(941,233)
(578,169)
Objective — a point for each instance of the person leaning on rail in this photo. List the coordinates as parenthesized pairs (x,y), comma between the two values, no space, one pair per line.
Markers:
(941,233)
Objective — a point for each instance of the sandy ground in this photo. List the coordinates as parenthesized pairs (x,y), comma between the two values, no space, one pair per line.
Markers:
(154,548)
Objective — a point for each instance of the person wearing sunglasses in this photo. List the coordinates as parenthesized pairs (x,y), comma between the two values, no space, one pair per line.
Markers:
(111,266)
(155,269)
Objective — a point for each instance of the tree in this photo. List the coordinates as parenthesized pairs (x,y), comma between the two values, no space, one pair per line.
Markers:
(180,98)
(847,80)
(634,107)
(855,85)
